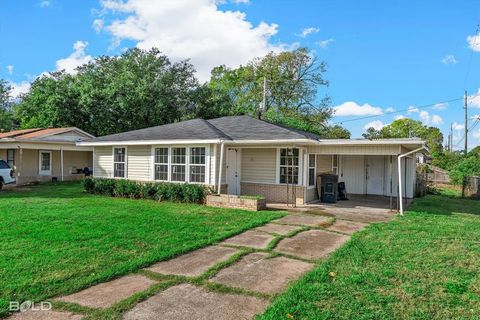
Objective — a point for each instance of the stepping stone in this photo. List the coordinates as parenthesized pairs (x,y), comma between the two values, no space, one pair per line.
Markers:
(261,273)
(194,263)
(187,302)
(44,315)
(105,294)
(252,239)
(348,227)
(281,229)
(312,244)
(304,220)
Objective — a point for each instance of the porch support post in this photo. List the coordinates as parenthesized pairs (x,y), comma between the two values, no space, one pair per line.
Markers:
(61,163)
(400,191)
(222,146)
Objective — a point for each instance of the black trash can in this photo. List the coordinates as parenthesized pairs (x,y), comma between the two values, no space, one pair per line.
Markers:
(329,188)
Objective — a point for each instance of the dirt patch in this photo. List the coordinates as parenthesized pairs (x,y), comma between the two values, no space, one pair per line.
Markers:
(258,272)
(187,302)
(194,263)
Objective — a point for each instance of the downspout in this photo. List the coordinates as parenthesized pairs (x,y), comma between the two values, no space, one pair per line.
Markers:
(400,191)
(222,145)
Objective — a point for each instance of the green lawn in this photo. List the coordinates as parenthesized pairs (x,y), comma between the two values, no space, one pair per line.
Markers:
(55,239)
(425,265)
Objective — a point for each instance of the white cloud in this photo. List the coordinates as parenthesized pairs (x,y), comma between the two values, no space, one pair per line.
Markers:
(401,116)
(474,100)
(449,59)
(474,42)
(351,108)
(44,4)
(412,109)
(428,119)
(195,29)
(19,88)
(377,125)
(77,58)
(325,43)
(241,1)
(458,126)
(390,109)
(10,69)
(440,106)
(307,31)
(476,134)
(97,25)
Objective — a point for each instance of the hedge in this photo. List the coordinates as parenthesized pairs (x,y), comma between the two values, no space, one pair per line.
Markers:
(179,192)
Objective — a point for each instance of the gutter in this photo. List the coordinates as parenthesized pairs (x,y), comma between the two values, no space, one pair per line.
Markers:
(400,187)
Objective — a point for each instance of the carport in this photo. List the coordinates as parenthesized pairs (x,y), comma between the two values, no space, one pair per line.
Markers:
(369,168)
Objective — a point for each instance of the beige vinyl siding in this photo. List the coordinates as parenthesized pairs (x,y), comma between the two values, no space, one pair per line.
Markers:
(324,163)
(353,150)
(259,165)
(103,162)
(139,162)
(3,154)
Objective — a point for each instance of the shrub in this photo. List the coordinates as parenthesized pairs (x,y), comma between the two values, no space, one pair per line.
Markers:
(183,192)
(88,184)
(127,189)
(105,187)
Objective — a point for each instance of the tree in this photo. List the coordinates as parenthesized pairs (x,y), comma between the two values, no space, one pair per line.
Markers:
(6,117)
(293,79)
(407,128)
(468,166)
(140,88)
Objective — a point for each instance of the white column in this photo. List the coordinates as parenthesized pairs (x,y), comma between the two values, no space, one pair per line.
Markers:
(222,146)
(61,163)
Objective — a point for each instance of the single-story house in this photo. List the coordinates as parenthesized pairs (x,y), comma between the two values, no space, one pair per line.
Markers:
(46,154)
(247,156)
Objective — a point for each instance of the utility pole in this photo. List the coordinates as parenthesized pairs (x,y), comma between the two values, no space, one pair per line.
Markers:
(263,106)
(464,182)
(450,138)
(466,124)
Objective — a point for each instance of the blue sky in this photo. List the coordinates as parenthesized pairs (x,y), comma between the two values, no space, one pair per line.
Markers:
(382,55)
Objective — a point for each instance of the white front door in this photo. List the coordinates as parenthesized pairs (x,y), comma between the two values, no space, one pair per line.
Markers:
(233,170)
(374,171)
(45,163)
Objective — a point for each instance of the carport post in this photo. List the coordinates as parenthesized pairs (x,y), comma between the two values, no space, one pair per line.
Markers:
(400,193)
(220,169)
(61,161)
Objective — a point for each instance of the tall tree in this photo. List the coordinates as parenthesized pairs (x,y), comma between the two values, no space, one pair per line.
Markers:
(407,128)
(6,117)
(112,94)
(293,81)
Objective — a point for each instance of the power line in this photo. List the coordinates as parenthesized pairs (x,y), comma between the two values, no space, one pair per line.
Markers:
(398,111)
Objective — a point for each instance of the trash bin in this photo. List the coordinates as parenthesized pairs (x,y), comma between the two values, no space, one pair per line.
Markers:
(329,188)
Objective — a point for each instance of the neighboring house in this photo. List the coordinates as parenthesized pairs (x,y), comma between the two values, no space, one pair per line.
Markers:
(252,157)
(42,154)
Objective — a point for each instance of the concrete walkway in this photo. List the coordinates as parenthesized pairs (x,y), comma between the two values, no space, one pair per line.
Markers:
(235,279)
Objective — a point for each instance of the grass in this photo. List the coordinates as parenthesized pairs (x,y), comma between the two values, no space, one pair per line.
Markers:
(420,266)
(56,240)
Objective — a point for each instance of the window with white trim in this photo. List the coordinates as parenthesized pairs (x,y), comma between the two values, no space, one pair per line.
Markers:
(197,164)
(179,164)
(311,169)
(289,165)
(161,164)
(119,162)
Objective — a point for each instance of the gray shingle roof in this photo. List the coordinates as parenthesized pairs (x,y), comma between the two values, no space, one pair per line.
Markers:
(228,128)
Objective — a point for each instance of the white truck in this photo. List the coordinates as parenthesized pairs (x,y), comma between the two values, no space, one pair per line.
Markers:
(6,174)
